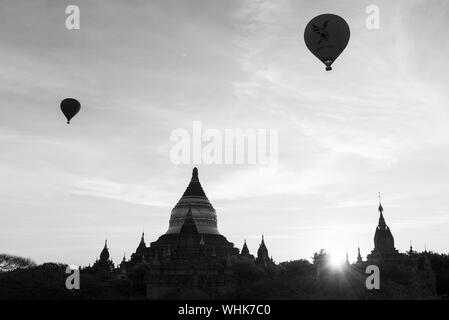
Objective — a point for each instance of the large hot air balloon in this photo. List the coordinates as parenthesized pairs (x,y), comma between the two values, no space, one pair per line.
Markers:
(70,107)
(326,36)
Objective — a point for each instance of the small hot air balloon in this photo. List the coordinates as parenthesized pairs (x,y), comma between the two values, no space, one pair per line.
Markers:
(326,36)
(70,107)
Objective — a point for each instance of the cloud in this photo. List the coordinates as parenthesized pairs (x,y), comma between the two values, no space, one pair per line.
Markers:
(145,195)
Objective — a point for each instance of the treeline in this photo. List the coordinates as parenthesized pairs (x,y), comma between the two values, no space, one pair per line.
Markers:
(299,279)
(22,279)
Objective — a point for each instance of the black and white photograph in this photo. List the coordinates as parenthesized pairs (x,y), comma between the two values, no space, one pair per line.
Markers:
(224,150)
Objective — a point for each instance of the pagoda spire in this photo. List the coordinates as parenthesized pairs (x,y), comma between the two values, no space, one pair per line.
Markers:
(188,219)
(194,189)
(189,212)
(359,256)
(262,254)
(204,213)
(383,239)
(195,175)
(141,248)
(189,236)
(245,250)
(104,254)
(382,224)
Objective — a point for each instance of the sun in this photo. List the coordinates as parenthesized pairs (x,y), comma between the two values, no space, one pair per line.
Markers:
(335,262)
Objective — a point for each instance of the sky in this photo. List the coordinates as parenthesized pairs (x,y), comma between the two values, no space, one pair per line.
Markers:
(377,123)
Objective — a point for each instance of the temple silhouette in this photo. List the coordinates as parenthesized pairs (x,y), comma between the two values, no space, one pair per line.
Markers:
(191,254)
(384,249)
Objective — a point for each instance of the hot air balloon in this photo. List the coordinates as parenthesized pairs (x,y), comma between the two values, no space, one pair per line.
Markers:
(70,107)
(326,36)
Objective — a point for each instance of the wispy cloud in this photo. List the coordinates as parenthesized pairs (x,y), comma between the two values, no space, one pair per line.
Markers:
(145,195)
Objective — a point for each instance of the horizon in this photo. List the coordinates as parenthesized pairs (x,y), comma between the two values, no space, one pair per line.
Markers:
(336,257)
(376,123)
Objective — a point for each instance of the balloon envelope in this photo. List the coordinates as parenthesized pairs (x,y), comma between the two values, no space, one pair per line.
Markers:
(326,36)
(70,107)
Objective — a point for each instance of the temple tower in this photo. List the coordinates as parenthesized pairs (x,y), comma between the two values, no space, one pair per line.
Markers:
(359,256)
(139,255)
(245,252)
(189,236)
(104,263)
(262,254)
(383,240)
(203,212)
(196,207)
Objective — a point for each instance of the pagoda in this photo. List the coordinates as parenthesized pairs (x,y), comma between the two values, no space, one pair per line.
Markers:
(194,200)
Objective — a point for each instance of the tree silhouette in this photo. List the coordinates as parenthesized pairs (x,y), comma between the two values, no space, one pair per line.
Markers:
(10,263)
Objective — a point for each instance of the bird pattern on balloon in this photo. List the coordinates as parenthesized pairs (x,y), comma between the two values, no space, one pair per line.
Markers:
(324,35)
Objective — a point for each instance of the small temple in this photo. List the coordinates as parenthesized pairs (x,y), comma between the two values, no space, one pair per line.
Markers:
(384,249)
(104,263)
